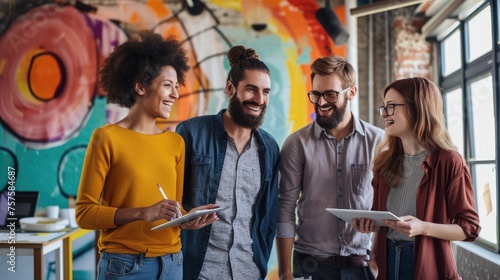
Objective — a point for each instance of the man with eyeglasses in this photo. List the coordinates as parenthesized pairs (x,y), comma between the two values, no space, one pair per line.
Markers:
(326,164)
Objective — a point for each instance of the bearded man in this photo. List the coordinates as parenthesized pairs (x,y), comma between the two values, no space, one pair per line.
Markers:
(326,164)
(231,162)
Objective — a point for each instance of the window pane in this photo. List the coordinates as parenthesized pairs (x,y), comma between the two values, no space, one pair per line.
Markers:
(486,197)
(454,117)
(479,30)
(451,52)
(483,120)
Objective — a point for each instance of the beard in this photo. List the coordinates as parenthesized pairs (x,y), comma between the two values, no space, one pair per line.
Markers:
(329,122)
(236,110)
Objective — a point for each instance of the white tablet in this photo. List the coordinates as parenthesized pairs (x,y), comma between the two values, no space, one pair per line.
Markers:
(188,217)
(348,214)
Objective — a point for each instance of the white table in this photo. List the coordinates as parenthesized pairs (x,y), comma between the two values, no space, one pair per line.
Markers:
(37,245)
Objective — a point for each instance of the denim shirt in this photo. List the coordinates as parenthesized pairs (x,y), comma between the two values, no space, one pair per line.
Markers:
(206,142)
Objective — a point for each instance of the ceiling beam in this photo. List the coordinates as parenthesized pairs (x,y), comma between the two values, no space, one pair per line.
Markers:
(382,6)
(433,23)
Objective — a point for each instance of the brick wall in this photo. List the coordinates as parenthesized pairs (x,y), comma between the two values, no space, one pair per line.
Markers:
(397,50)
(412,54)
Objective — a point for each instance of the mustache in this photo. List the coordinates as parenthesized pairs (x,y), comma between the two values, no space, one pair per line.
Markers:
(253,103)
(328,105)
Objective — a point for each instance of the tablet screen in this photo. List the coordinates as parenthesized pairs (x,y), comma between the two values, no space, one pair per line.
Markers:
(348,214)
(188,217)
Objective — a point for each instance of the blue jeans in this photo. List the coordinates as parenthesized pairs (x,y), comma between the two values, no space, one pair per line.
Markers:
(400,260)
(129,267)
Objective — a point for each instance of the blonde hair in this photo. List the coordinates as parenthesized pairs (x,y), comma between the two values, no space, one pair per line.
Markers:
(424,109)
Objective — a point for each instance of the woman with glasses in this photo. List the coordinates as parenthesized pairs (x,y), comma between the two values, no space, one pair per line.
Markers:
(420,177)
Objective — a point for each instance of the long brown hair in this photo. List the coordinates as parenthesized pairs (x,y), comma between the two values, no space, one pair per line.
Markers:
(424,109)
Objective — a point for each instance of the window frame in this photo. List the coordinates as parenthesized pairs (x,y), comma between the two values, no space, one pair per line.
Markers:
(486,64)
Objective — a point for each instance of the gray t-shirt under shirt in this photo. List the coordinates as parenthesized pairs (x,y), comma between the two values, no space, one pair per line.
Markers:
(403,198)
(229,253)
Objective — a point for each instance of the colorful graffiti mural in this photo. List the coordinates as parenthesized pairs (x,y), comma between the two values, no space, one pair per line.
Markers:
(50,56)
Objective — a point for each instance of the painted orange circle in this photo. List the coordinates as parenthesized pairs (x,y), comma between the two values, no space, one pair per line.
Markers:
(48,72)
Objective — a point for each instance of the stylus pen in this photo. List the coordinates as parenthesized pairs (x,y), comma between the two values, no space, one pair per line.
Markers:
(161,190)
(165,197)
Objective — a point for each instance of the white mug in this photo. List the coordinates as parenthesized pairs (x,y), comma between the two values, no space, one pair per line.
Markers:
(52,211)
(69,214)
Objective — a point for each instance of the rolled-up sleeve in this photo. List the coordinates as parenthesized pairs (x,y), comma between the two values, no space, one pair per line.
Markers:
(290,185)
(461,204)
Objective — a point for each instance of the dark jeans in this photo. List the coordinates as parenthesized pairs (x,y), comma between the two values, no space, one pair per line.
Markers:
(309,267)
(400,260)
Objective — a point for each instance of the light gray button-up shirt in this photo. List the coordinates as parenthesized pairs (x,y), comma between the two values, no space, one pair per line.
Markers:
(229,253)
(319,172)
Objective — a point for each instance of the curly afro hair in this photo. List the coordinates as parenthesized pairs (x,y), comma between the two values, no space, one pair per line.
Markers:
(140,61)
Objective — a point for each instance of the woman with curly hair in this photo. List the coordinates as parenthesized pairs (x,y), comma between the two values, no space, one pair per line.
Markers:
(128,161)
(419,176)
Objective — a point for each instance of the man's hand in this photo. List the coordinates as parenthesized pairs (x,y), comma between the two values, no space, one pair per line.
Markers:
(202,221)
(365,225)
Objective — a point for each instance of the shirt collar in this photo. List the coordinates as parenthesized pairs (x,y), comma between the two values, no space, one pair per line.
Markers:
(221,131)
(431,158)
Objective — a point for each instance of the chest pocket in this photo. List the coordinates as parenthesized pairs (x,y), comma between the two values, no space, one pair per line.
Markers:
(360,178)
(200,167)
(266,177)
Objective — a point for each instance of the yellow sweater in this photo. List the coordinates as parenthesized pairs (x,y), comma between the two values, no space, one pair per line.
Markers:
(121,169)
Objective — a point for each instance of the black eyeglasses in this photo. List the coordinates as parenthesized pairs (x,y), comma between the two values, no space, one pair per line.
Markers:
(388,109)
(331,96)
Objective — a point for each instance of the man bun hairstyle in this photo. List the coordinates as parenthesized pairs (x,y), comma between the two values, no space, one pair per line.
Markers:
(241,59)
(237,53)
